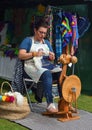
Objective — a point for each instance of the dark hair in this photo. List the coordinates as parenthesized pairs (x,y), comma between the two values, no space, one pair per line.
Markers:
(41,23)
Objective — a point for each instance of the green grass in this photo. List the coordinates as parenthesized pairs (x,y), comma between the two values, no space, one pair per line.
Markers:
(84,102)
(8,125)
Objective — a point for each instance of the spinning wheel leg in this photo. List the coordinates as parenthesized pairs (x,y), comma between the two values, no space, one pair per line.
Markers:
(68,117)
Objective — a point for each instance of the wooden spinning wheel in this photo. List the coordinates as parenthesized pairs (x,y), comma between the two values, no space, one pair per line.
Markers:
(71,88)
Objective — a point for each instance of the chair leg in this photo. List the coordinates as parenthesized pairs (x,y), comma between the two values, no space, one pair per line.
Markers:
(28,97)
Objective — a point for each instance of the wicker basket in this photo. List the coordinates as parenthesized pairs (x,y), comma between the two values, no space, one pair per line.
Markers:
(10,110)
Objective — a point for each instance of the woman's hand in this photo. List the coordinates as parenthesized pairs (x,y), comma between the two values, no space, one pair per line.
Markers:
(37,54)
(40,53)
(51,56)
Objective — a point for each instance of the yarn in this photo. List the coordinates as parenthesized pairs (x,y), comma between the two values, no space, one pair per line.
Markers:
(6,98)
(0,98)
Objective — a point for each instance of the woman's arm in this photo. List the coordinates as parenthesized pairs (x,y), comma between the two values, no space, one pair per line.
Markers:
(24,49)
(24,55)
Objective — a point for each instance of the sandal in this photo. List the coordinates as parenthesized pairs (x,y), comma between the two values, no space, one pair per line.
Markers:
(51,108)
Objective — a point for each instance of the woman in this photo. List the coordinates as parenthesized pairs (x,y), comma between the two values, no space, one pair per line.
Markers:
(37,46)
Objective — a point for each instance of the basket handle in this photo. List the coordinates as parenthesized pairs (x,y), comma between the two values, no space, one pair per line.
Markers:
(2,85)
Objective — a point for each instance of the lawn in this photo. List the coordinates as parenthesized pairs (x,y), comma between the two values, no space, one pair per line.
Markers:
(8,125)
(84,102)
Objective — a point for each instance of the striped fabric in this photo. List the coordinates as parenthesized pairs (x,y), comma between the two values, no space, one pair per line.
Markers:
(58,42)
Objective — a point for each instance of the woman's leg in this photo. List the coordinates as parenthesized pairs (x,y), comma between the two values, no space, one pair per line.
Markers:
(46,79)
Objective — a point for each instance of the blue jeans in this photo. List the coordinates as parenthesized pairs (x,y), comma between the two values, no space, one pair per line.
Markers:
(47,80)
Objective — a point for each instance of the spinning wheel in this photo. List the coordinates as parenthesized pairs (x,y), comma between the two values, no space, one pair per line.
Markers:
(71,87)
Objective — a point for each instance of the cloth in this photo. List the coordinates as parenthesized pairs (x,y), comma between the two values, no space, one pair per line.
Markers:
(57,33)
(58,42)
(83,25)
(66,32)
(7,67)
(17,81)
(75,33)
(3,34)
(29,65)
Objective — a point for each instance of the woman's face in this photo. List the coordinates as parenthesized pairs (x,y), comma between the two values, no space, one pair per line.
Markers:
(40,34)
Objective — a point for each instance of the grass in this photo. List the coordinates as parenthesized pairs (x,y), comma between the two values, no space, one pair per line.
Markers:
(8,125)
(84,102)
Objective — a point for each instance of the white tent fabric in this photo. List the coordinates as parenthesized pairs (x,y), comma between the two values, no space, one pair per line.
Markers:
(7,67)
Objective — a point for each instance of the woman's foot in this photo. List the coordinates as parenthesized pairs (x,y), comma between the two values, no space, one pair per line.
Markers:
(51,108)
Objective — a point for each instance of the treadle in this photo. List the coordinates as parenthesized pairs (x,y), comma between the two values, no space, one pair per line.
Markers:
(63,119)
(46,113)
(62,115)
